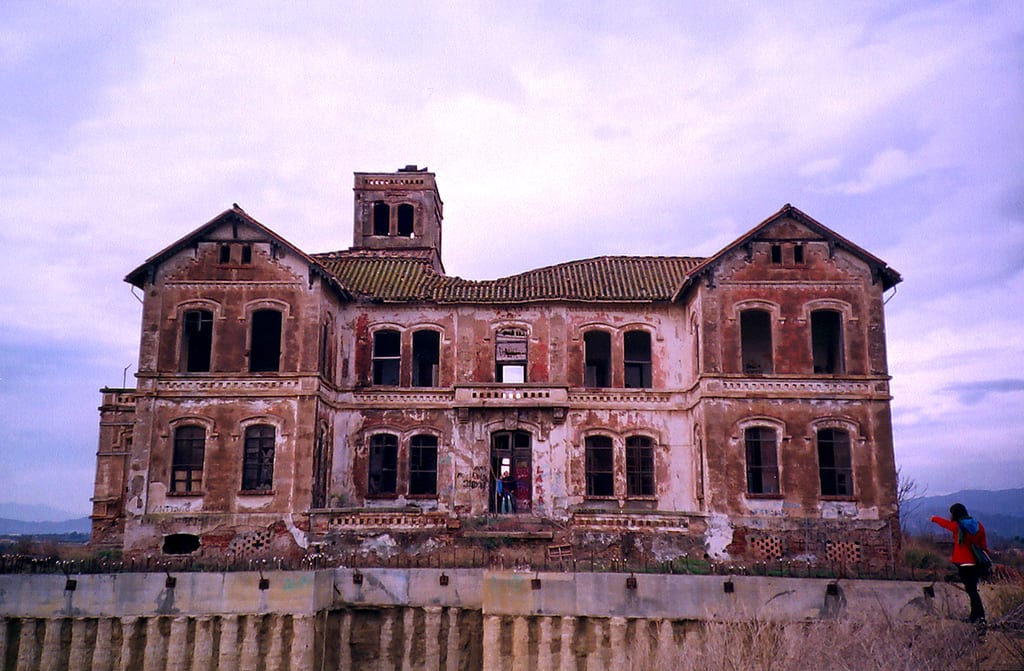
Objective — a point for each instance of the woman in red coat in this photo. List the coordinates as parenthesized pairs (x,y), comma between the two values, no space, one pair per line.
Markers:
(967,531)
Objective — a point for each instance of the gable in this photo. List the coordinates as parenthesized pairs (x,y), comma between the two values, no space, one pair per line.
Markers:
(779,236)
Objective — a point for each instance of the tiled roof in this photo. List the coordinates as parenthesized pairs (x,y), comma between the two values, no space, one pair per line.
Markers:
(402,278)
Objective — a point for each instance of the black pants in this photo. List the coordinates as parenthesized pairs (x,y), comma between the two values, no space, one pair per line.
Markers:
(969,577)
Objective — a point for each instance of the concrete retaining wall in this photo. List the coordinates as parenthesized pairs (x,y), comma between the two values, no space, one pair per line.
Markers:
(405,619)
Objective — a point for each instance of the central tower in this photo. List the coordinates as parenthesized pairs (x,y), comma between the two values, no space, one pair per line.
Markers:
(399,212)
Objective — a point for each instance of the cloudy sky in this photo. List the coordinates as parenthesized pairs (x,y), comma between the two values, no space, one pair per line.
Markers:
(557,131)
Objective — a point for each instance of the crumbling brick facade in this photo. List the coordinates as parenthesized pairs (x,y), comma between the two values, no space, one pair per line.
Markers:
(737,403)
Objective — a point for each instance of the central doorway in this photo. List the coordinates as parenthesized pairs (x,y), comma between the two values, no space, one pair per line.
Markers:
(511,453)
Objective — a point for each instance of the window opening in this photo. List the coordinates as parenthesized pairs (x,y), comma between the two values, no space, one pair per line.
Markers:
(639,466)
(798,253)
(265,346)
(762,460)
(383,476)
(225,253)
(511,489)
(258,460)
(776,254)
(180,544)
(197,341)
(423,465)
(321,467)
(426,354)
(187,460)
(834,462)
(600,466)
(827,341)
(597,348)
(246,253)
(405,220)
(387,357)
(756,341)
(381,218)
(510,356)
(637,356)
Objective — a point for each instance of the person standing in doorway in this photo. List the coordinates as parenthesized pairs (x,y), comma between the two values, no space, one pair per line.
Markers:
(508,492)
(967,532)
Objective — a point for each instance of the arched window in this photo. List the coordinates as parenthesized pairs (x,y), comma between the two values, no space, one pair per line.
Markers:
(756,341)
(265,342)
(762,460)
(510,356)
(835,466)
(196,341)
(426,353)
(597,352)
(187,459)
(600,466)
(827,342)
(405,220)
(387,357)
(258,459)
(639,466)
(381,218)
(383,471)
(636,350)
(423,465)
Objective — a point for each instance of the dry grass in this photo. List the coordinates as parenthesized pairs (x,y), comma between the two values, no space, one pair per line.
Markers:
(846,645)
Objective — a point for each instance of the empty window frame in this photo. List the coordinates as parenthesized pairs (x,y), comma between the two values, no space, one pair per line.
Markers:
(196,341)
(776,254)
(265,342)
(636,351)
(381,218)
(405,220)
(246,254)
(597,354)
(600,466)
(383,467)
(426,354)
(387,357)
(258,458)
(798,253)
(225,253)
(423,465)
(762,460)
(510,356)
(187,459)
(834,462)
(756,341)
(827,341)
(639,466)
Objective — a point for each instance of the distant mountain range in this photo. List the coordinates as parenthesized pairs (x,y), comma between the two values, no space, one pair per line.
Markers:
(18,519)
(1002,511)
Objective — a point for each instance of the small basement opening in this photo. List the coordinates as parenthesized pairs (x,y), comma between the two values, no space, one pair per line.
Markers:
(180,544)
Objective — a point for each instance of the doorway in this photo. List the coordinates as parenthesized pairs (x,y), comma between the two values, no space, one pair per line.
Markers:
(511,486)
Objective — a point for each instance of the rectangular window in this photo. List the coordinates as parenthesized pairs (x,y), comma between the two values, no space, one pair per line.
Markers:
(225,253)
(827,341)
(196,341)
(597,354)
(422,465)
(187,460)
(600,466)
(246,254)
(637,359)
(756,341)
(798,253)
(510,356)
(387,357)
(426,353)
(258,460)
(762,460)
(383,475)
(834,463)
(265,342)
(776,254)
(639,466)
(405,220)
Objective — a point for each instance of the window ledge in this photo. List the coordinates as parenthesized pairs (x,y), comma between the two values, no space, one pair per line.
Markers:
(751,495)
(256,492)
(421,497)
(847,497)
(187,494)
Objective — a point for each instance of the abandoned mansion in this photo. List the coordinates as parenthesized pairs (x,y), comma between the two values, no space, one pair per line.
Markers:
(286,403)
